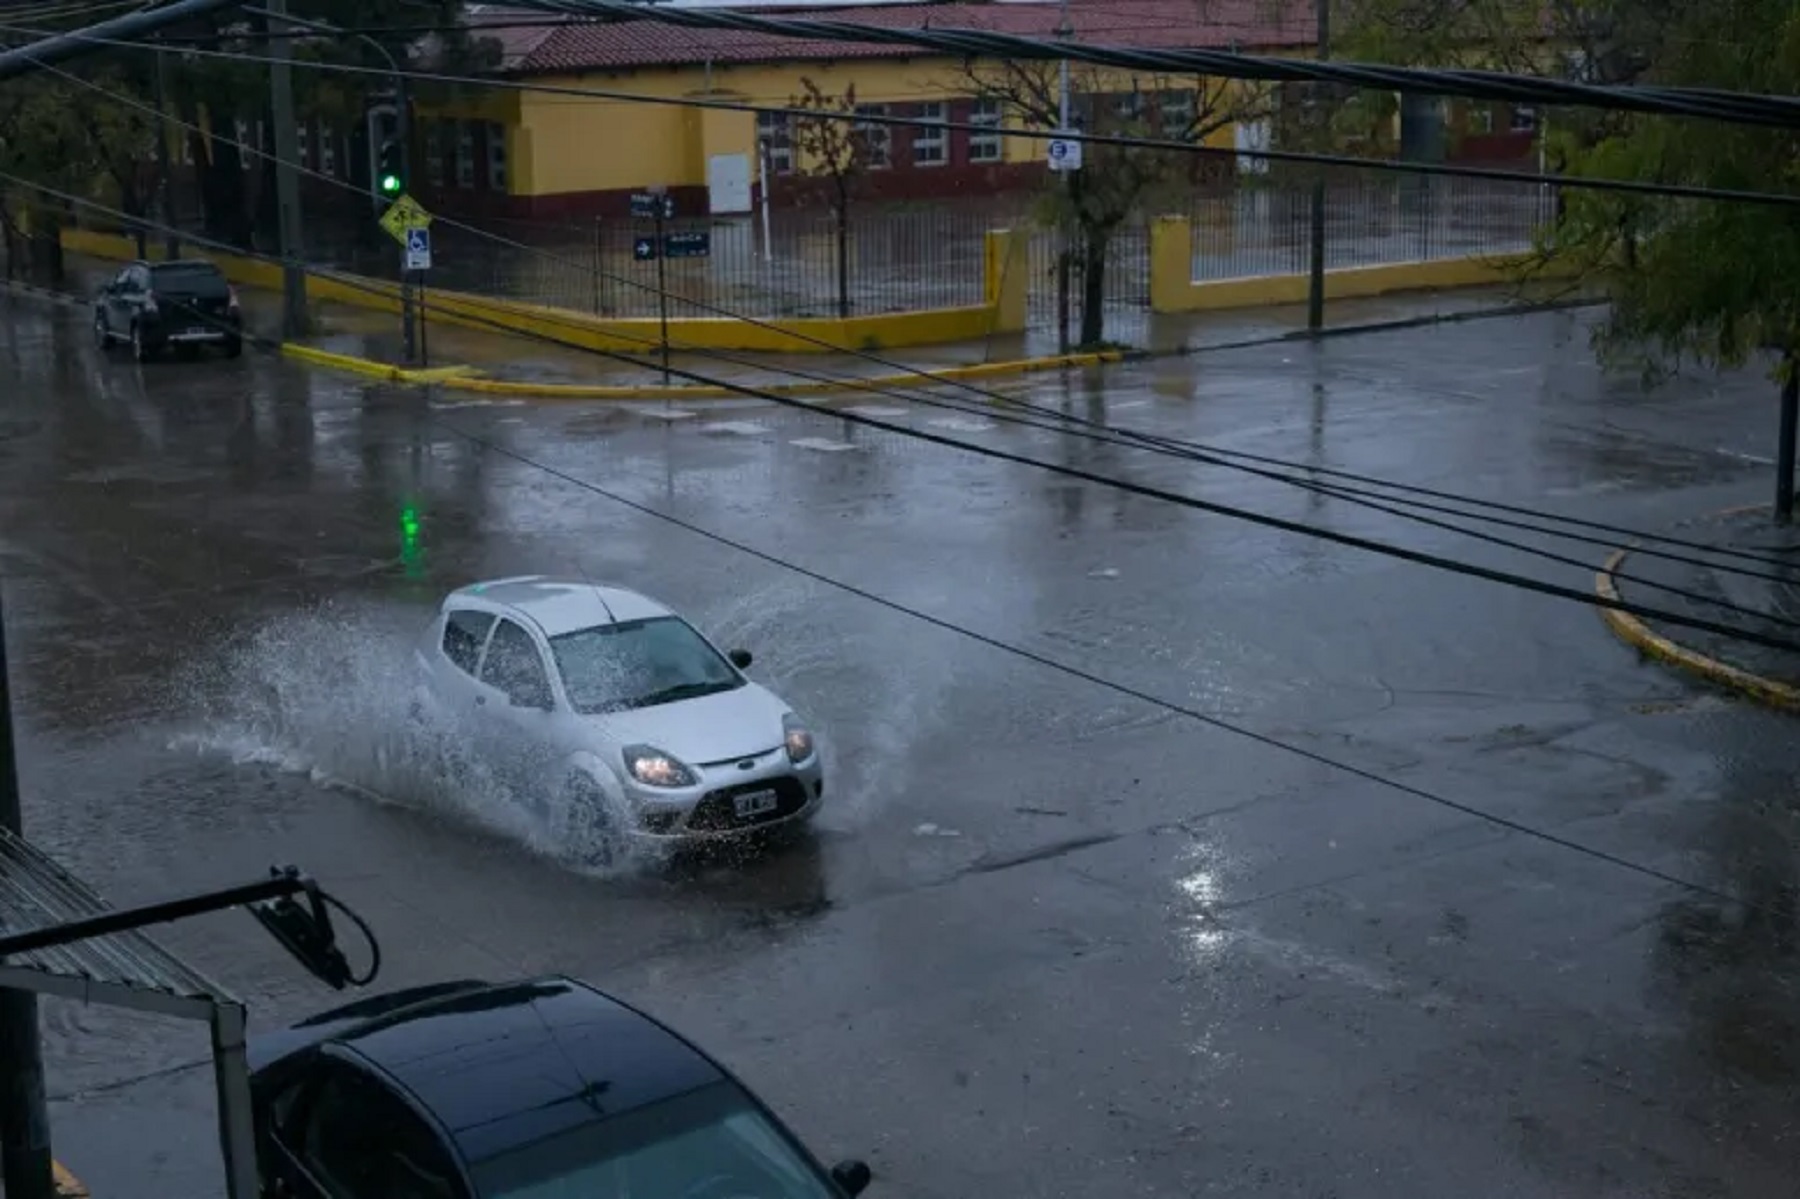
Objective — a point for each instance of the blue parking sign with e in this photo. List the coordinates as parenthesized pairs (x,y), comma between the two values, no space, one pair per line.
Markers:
(418,241)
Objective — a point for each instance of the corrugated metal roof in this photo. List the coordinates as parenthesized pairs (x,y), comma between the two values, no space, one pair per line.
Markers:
(35,893)
(1138,24)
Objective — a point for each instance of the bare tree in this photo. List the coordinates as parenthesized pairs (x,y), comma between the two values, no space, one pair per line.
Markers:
(831,147)
(1116,182)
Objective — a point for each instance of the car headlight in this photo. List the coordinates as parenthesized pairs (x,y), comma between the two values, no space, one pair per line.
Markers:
(654,768)
(799,741)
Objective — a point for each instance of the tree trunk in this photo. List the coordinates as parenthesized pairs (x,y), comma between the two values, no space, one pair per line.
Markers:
(1790,427)
(1094,244)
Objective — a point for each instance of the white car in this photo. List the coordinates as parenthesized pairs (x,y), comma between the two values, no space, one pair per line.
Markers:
(613,716)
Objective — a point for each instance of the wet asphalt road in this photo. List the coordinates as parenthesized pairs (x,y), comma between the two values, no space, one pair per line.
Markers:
(1047,941)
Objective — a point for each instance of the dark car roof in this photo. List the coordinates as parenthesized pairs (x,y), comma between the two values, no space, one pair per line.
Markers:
(502,1065)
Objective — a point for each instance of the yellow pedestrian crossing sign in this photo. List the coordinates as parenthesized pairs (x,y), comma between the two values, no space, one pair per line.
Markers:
(403,214)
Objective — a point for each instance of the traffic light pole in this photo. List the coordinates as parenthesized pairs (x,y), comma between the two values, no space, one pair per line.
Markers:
(409,346)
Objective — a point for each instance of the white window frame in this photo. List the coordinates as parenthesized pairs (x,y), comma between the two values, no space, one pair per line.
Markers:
(1524,118)
(1129,106)
(988,146)
(327,150)
(465,154)
(434,153)
(1177,109)
(879,138)
(931,136)
(775,134)
(497,175)
(1481,119)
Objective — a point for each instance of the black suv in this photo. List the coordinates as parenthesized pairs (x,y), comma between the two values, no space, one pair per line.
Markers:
(151,306)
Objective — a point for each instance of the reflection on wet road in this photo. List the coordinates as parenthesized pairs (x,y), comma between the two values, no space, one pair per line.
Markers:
(1045,940)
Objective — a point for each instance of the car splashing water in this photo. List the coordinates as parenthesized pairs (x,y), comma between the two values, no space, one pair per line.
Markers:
(327,692)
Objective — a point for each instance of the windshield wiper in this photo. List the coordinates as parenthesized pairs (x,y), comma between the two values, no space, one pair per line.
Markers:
(683,691)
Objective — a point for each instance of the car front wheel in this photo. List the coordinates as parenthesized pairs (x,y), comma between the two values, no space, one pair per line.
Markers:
(140,349)
(583,824)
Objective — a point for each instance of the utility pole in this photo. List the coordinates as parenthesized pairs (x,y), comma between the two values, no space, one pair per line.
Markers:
(287,178)
(165,176)
(412,286)
(1065,31)
(26,1171)
(1315,284)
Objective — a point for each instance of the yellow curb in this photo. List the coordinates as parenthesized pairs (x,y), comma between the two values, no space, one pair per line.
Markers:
(67,1185)
(1635,632)
(470,380)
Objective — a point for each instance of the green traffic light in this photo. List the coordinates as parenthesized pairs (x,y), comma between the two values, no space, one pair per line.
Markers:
(390,184)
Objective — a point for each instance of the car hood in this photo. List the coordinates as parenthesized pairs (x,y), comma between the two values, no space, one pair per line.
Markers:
(712,728)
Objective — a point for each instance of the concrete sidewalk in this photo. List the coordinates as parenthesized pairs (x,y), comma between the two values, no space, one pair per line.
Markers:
(1766,581)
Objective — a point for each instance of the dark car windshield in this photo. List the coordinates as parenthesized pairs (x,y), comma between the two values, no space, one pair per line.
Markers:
(639,664)
(188,279)
(714,1135)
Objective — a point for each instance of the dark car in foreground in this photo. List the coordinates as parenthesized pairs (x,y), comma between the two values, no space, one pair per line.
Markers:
(545,1089)
(186,303)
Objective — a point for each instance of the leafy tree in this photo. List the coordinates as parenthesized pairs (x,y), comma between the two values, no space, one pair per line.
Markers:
(831,147)
(1115,183)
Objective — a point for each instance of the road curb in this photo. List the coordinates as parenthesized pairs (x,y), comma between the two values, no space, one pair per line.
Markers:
(468,379)
(1650,643)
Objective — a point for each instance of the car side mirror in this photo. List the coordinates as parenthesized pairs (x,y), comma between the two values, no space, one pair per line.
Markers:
(852,1177)
(741,658)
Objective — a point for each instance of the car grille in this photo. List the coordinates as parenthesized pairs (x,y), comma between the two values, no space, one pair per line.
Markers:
(716,814)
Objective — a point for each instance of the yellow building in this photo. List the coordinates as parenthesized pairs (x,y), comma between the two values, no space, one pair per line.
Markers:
(558,154)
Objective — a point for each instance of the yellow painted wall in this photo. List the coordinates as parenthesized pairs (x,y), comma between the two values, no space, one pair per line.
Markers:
(579,144)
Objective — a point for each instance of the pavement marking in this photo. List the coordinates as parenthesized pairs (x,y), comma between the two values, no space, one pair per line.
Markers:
(1758,459)
(1124,404)
(67,1185)
(824,445)
(742,428)
(1636,633)
(879,411)
(958,424)
(668,414)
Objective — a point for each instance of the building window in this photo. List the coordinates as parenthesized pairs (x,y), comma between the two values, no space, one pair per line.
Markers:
(328,151)
(775,134)
(1129,107)
(246,148)
(1481,119)
(465,153)
(1524,118)
(985,145)
(931,141)
(303,144)
(434,153)
(876,139)
(1176,111)
(496,156)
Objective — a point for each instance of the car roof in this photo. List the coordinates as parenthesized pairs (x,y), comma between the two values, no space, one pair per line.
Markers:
(560,605)
(185,265)
(505,1065)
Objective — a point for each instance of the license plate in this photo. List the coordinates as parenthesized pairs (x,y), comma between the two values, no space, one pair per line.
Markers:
(755,803)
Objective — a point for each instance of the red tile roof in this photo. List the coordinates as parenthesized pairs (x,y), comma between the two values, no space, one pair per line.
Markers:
(1147,24)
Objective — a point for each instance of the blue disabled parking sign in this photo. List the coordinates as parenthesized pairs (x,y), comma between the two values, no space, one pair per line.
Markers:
(418,249)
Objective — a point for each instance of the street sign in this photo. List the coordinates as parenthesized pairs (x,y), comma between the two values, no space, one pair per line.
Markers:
(643,248)
(646,206)
(403,214)
(1065,155)
(688,245)
(418,249)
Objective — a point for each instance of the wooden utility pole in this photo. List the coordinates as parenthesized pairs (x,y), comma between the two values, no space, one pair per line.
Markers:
(287,177)
(1315,284)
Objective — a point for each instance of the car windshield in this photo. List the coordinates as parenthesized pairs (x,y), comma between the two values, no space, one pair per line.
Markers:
(639,664)
(710,1142)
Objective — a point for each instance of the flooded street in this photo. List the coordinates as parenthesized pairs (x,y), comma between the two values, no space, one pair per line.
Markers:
(1046,939)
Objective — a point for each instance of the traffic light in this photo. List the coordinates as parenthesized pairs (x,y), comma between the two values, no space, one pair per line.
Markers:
(390,180)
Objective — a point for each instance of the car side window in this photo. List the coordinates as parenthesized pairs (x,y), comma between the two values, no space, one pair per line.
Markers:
(464,634)
(514,666)
(122,281)
(362,1142)
(140,278)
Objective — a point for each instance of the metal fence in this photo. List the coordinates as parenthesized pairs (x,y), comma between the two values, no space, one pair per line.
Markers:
(1267,230)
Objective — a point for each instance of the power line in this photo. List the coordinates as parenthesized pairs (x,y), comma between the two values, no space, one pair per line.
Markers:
(1401,553)
(1734,107)
(1192,451)
(1126,141)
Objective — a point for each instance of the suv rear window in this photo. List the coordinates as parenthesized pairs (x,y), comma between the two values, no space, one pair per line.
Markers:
(188,279)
